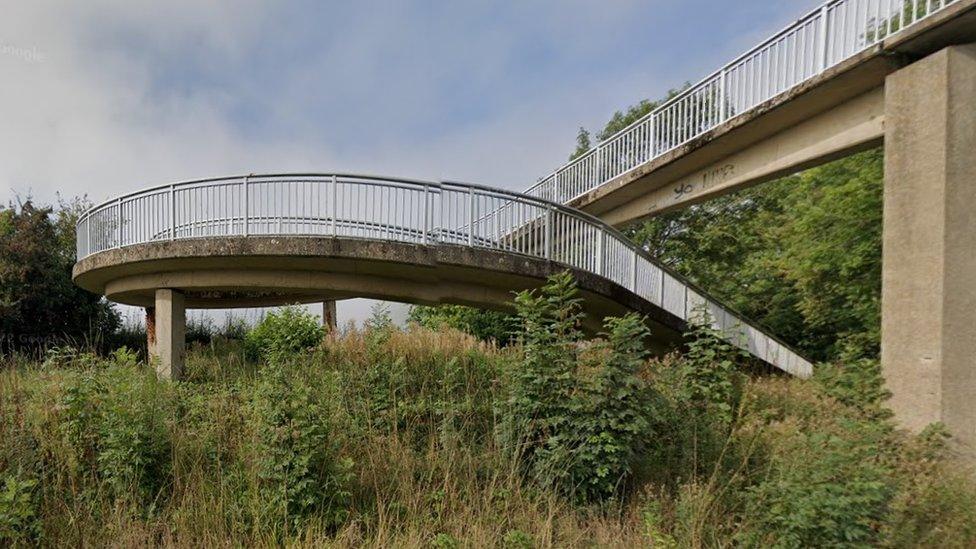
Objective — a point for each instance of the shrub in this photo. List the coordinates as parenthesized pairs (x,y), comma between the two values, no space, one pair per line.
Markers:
(18,510)
(536,419)
(576,414)
(823,489)
(709,370)
(282,333)
(491,326)
(114,421)
(611,412)
(298,469)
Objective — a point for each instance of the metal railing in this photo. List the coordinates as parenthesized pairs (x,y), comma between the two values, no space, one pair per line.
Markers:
(828,35)
(416,212)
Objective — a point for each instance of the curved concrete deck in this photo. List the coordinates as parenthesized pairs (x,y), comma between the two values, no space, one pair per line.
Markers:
(265,271)
(271,239)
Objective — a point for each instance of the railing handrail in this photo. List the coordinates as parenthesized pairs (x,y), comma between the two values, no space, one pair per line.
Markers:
(889,14)
(226,205)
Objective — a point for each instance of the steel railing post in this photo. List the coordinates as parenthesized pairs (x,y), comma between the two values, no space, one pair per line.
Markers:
(547,237)
(721,97)
(822,62)
(426,211)
(172,212)
(599,252)
(118,236)
(247,207)
(334,210)
(633,271)
(471,216)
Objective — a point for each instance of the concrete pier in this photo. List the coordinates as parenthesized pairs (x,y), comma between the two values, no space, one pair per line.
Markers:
(928,333)
(329,319)
(170,327)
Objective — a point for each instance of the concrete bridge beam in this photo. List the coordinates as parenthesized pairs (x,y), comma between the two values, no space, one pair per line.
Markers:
(928,333)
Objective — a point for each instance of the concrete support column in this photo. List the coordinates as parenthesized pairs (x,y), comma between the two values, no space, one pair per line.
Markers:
(329,319)
(151,331)
(170,321)
(928,331)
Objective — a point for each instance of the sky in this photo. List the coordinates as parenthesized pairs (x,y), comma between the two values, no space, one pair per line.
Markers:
(101,97)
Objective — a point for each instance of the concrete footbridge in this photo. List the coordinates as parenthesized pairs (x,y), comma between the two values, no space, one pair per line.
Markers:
(847,76)
(261,240)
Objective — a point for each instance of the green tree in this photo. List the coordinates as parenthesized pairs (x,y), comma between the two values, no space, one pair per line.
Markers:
(39,304)
(801,255)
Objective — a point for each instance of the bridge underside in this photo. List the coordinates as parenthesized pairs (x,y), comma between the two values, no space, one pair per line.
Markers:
(232,272)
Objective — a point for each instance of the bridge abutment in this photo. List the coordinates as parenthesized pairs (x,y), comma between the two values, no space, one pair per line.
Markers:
(928,332)
(169,317)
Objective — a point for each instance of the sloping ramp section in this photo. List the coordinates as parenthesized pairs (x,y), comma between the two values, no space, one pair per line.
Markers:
(271,239)
(825,59)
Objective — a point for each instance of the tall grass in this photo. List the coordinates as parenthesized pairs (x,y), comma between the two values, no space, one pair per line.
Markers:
(384,437)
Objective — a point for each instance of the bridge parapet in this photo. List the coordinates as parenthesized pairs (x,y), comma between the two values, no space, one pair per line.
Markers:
(412,212)
(827,36)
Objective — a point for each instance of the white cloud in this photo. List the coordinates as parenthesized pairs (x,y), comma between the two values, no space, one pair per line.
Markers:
(103,97)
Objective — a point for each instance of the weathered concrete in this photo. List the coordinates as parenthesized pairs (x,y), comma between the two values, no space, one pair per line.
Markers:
(329,319)
(151,331)
(170,333)
(263,271)
(793,131)
(928,333)
(854,125)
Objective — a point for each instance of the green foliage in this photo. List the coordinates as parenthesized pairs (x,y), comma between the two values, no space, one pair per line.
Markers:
(39,304)
(282,333)
(611,411)
(387,442)
(575,416)
(113,425)
(486,325)
(18,510)
(537,416)
(824,489)
(583,143)
(802,254)
(298,468)
(934,505)
(858,384)
(709,370)
(517,539)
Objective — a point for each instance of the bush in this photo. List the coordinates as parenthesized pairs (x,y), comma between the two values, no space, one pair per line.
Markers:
(282,333)
(491,326)
(18,512)
(823,489)
(576,414)
(298,471)
(114,421)
(709,370)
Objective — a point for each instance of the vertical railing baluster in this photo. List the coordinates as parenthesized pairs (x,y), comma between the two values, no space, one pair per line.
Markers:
(633,271)
(334,207)
(470,216)
(426,211)
(246,213)
(118,236)
(823,38)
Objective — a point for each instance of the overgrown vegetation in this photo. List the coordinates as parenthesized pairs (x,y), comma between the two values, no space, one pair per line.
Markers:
(391,437)
(39,305)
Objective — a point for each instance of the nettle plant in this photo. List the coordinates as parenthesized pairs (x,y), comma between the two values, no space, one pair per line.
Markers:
(575,414)
(283,333)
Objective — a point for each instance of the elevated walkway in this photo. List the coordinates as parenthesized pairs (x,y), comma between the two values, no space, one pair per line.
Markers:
(274,239)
